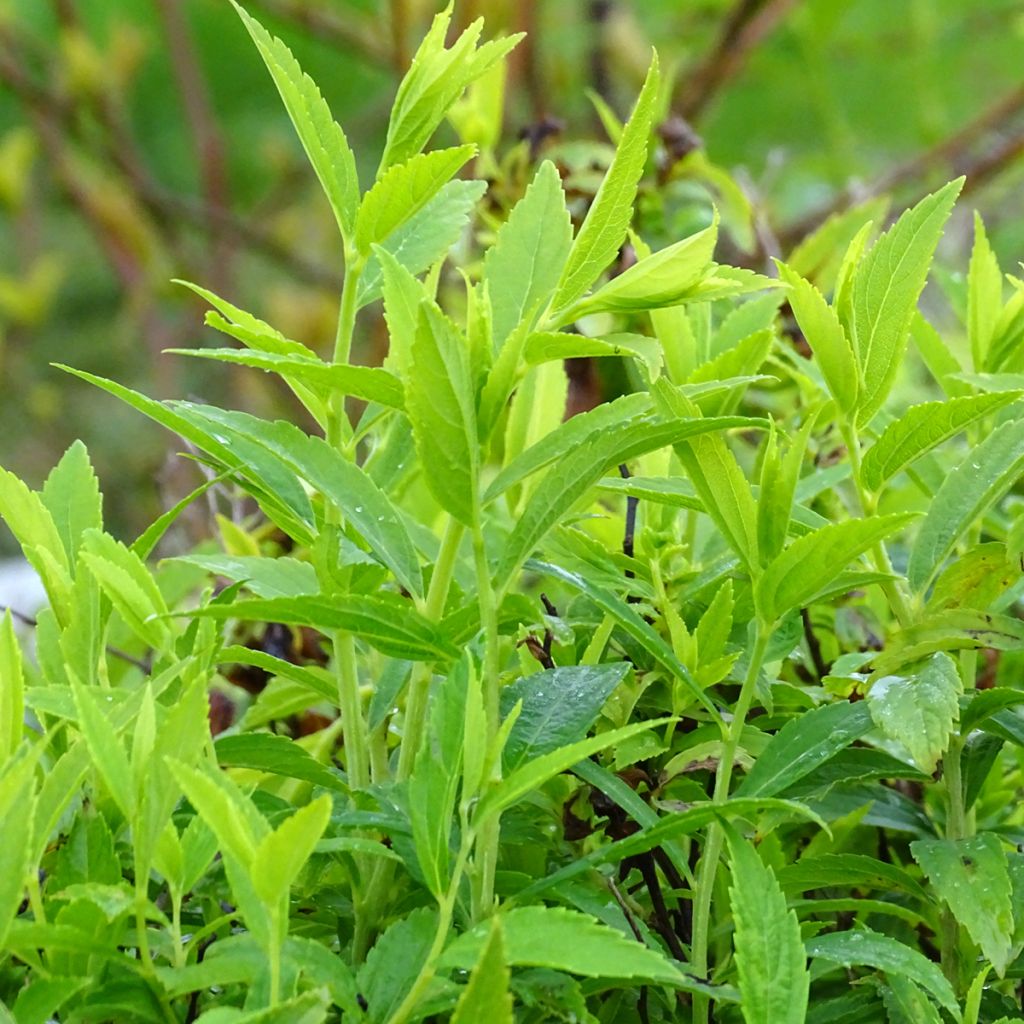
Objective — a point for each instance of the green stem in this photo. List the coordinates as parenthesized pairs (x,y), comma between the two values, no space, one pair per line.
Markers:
(338,427)
(893,589)
(598,642)
(444,923)
(374,899)
(486,858)
(712,854)
(419,685)
(179,948)
(958,825)
(353,724)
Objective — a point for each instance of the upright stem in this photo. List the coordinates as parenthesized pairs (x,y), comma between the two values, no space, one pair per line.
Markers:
(958,826)
(337,423)
(893,589)
(355,738)
(486,856)
(716,838)
(419,685)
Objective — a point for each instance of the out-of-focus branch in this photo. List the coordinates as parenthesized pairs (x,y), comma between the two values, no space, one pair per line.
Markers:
(959,153)
(55,119)
(351,32)
(749,22)
(399,34)
(206,136)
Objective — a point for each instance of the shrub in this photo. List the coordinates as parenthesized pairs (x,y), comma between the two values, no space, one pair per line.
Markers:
(621,733)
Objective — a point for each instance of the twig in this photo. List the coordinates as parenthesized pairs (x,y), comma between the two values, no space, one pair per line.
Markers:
(953,152)
(600,81)
(813,646)
(206,136)
(399,34)
(351,32)
(55,120)
(115,652)
(746,26)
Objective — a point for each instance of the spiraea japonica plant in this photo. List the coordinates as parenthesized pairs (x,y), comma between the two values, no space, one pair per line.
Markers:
(700,705)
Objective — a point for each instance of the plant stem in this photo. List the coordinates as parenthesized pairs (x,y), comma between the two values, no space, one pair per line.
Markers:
(375,896)
(357,753)
(716,837)
(337,423)
(486,858)
(444,923)
(419,685)
(892,589)
(957,825)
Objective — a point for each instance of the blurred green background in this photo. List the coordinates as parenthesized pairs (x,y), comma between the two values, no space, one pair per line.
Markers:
(142,140)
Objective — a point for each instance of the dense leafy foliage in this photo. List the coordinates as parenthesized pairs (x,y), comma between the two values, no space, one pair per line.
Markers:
(699,705)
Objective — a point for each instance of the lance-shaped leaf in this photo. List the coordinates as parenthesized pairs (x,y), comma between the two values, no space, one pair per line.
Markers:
(567,436)
(439,399)
(72,496)
(770,958)
(370,383)
(18,804)
(425,238)
(486,997)
(920,429)
(386,621)
(864,947)
(536,773)
(105,747)
(984,295)
(394,962)
(906,1003)
(341,481)
(609,216)
(436,79)
(529,251)
(716,476)
(966,493)
(886,286)
(566,940)
(803,744)
(128,583)
(575,473)
(633,624)
(322,138)
(280,856)
(812,562)
(826,336)
(558,707)
(12,689)
(403,191)
(547,346)
(848,871)
(664,278)
(971,876)
(28,518)
(277,755)
(435,777)
(919,710)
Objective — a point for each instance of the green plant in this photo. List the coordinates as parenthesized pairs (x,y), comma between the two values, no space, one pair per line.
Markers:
(576,782)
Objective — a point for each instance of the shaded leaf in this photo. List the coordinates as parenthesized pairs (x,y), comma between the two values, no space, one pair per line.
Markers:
(971,876)
(558,707)
(803,744)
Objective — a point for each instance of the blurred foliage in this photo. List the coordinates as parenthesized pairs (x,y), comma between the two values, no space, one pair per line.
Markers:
(139,143)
